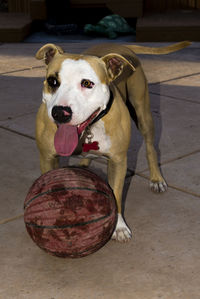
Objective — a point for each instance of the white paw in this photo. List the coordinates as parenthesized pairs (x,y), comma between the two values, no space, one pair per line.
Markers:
(122,233)
(158,187)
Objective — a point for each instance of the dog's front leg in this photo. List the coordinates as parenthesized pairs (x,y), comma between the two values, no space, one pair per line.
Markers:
(48,158)
(48,162)
(45,131)
(116,175)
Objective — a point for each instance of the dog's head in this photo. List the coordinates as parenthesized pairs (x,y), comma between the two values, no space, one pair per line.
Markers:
(77,85)
(76,88)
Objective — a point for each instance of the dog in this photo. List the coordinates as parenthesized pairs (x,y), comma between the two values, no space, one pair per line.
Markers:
(84,111)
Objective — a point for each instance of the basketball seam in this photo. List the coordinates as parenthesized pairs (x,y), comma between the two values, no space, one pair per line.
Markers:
(68,225)
(65,189)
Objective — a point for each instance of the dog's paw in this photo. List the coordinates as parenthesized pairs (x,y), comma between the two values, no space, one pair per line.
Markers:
(85,162)
(121,233)
(158,187)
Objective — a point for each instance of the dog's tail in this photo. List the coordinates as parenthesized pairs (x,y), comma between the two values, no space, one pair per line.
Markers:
(161,50)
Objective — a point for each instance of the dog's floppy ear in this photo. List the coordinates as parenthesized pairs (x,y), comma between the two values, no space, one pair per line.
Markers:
(115,64)
(47,52)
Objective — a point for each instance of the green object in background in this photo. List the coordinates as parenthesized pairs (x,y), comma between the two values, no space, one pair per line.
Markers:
(110,26)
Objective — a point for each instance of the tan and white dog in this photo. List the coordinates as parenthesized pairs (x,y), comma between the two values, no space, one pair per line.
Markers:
(84,111)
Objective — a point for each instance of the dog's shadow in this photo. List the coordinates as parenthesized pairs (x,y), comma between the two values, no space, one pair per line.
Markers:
(133,151)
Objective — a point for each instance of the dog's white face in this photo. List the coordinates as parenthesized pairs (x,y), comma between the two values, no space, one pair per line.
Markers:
(76,90)
(76,86)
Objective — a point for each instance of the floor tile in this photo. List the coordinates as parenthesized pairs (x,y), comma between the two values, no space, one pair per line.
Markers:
(183,89)
(15,57)
(18,56)
(161,261)
(184,173)
(22,124)
(21,94)
(159,68)
(176,131)
(19,168)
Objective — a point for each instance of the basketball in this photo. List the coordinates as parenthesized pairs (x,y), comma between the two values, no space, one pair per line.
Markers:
(70,212)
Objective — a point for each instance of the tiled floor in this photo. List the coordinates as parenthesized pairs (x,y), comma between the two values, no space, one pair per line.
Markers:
(163,258)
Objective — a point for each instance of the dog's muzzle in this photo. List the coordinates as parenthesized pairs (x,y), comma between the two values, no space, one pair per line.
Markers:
(61,114)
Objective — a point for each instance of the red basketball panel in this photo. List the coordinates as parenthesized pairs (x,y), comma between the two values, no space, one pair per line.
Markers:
(70,212)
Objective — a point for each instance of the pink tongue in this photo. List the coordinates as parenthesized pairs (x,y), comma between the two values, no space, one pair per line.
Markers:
(66,139)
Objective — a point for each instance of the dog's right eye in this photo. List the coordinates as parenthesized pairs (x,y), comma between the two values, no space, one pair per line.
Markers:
(53,82)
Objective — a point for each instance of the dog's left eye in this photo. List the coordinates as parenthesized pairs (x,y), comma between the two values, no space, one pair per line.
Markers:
(87,83)
(53,82)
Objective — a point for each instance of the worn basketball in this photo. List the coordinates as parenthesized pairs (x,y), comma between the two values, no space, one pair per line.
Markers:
(70,212)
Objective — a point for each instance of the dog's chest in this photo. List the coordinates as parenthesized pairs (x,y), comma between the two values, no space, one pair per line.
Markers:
(98,134)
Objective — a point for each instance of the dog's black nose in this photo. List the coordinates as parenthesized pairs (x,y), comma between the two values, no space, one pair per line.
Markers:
(62,114)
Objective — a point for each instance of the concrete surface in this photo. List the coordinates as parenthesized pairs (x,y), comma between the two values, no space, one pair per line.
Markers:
(163,258)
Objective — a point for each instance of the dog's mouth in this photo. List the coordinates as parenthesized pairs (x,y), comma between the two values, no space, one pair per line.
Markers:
(67,136)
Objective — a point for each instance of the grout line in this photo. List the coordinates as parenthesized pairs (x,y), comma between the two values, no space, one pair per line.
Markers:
(4,221)
(173,160)
(22,70)
(176,78)
(11,118)
(174,98)
(181,157)
(18,133)
(171,186)
(102,161)
(141,173)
